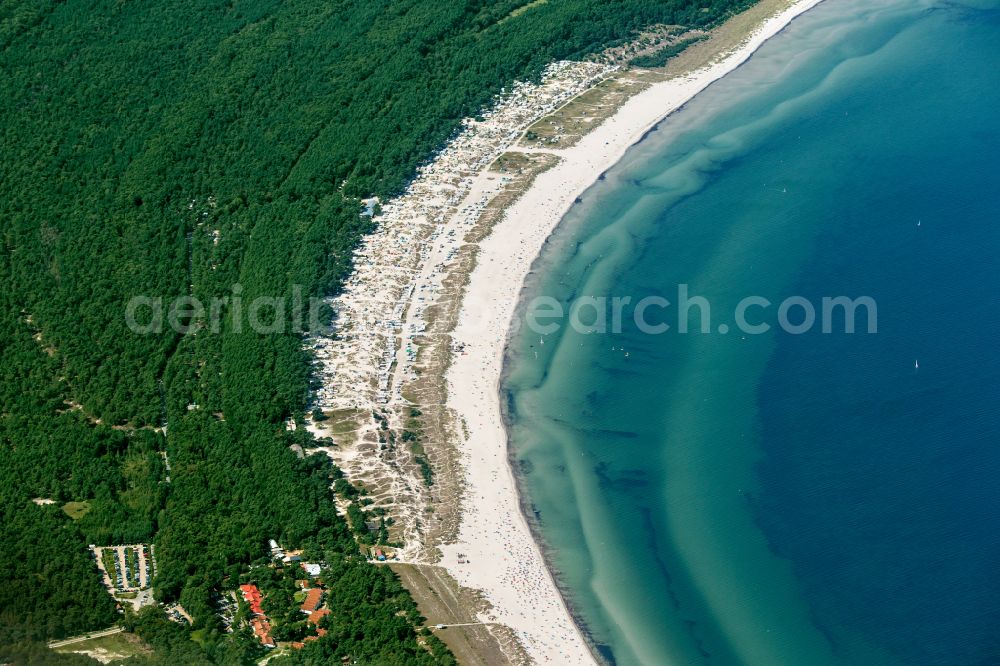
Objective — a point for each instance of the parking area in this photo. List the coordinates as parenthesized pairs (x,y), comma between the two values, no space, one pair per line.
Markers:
(127,571)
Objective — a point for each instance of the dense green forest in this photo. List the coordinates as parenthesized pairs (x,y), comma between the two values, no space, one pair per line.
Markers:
(204,148)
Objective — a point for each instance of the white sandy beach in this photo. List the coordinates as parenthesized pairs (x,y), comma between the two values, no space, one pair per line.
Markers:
(503,559)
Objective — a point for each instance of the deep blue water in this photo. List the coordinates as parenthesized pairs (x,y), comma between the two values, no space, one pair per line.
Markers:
(729,498)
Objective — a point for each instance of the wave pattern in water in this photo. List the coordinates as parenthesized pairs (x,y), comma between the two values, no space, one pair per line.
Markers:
(779,499)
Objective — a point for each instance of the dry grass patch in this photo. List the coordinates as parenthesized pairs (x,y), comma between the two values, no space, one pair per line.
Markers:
(566,125)
(443,601)
(723,39)
(109,648)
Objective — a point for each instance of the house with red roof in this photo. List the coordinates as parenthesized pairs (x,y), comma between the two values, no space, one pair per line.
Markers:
(318,615)
(253,597)
(314,598)
(262,630)
(259,623)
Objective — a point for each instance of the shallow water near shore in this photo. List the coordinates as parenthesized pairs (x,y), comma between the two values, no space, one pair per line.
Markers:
(730,498)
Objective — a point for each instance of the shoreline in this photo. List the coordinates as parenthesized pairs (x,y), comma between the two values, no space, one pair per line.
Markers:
(522,587)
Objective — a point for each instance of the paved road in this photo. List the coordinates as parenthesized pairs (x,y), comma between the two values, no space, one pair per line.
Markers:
(86,637)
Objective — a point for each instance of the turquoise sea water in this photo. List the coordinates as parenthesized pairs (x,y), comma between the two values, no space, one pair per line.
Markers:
(779,498)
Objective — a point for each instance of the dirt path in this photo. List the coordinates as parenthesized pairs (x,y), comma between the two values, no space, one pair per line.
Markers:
(85,637)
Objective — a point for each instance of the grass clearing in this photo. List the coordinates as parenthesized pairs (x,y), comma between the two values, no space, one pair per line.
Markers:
(199,636)
(343,421)
(522,9)
(108,648)
(76,510)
